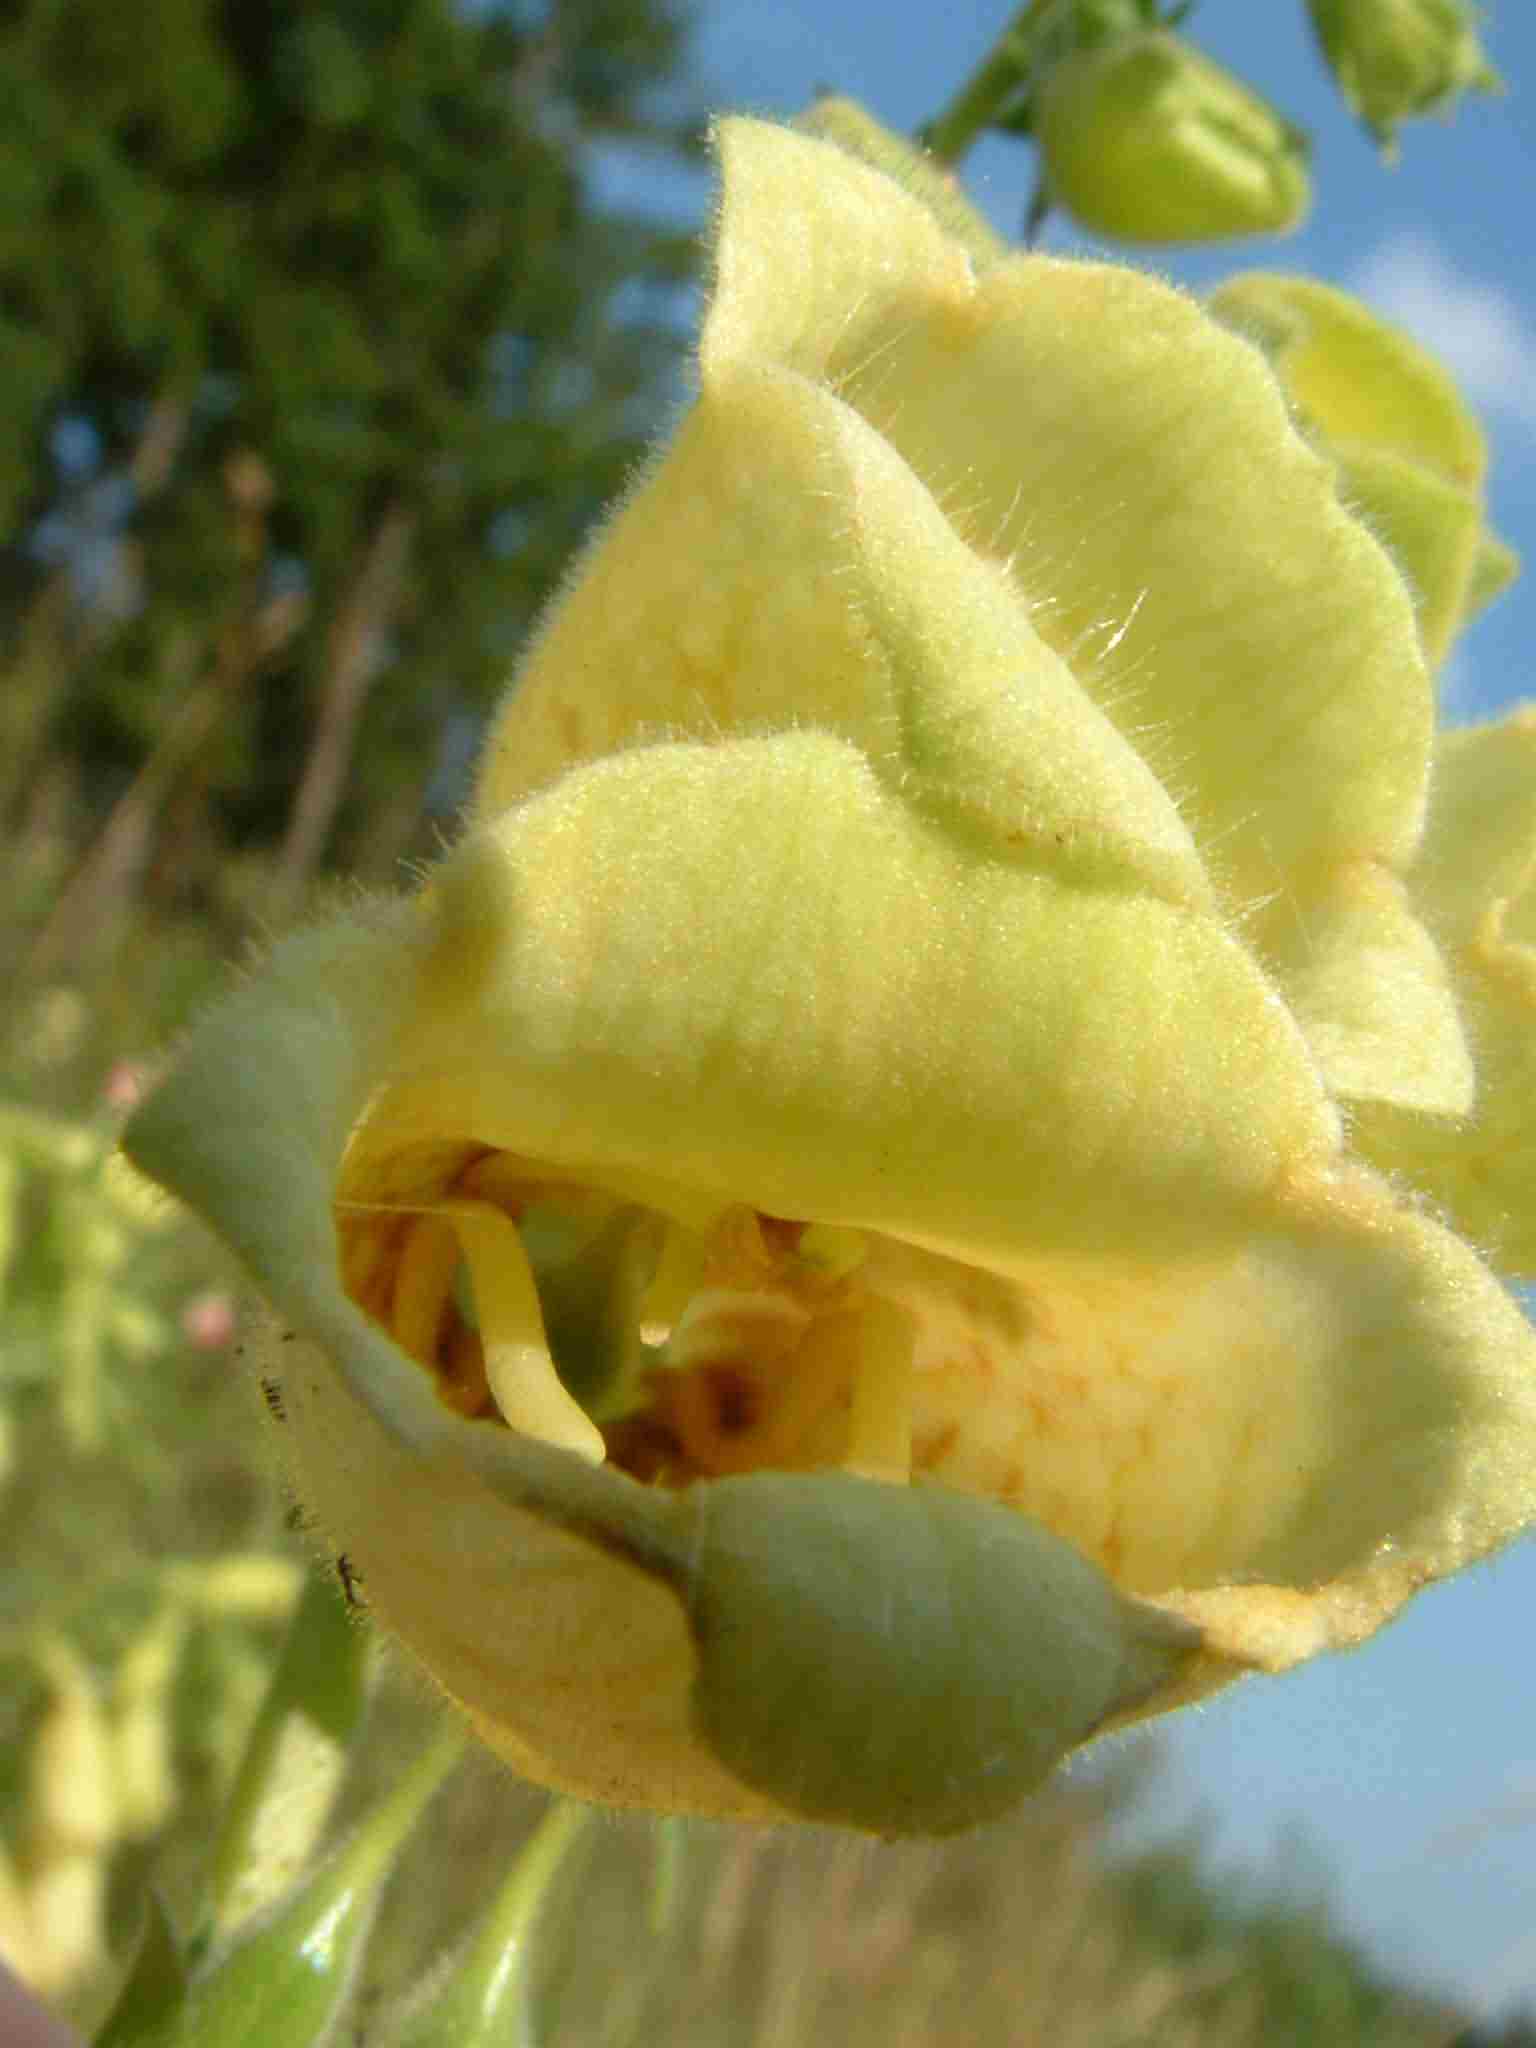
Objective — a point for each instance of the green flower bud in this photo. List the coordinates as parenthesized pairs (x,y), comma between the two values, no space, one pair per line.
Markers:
(1146,140)
(1398,58)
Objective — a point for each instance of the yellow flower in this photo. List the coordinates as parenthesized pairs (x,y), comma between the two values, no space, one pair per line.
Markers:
(817,1262)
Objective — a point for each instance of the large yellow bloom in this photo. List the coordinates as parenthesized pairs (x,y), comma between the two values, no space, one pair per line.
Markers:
(818,1261)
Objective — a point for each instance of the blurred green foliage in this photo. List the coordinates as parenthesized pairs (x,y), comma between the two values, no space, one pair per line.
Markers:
(318,358)
(149,1571)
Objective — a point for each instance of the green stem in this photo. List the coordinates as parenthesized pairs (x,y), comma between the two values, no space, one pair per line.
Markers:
(511,1927)
(1037,37)
(953,131)
(487,2003)
(286,1985)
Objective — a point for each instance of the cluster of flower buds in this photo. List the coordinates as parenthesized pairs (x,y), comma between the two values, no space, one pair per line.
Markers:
(1145,138)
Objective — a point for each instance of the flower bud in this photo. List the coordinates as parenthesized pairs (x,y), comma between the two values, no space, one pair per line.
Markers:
(1398,58)
(1146,140)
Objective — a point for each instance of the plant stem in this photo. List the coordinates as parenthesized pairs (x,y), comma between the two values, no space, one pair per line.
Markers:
(954,130)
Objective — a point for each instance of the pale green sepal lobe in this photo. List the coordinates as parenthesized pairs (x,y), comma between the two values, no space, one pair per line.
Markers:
(906,1661)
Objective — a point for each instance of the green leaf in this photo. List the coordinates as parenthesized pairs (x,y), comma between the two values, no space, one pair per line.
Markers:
(486,2003)
(286,1985)
(151,2008)
(294,1760)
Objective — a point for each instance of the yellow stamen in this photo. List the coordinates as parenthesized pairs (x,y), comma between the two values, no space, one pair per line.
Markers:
(463,1384)
(370,1253)
(429,1258)
(499,1177)
(518,1365)
(676,1280)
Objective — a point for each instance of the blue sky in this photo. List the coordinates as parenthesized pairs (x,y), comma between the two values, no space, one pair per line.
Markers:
(1408,1767)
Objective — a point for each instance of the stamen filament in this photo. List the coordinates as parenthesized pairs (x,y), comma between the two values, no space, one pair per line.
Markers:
(429,1258)
(518,1364)
(676,1280)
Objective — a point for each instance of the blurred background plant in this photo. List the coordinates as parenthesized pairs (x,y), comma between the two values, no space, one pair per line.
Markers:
(319,358)
(320,351)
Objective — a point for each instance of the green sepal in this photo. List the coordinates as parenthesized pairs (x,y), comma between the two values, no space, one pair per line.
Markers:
(486,2001)
(1432,530)
(286,1985)
(1494,568)
(902,1660)
(294,1760)
(151,2008)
